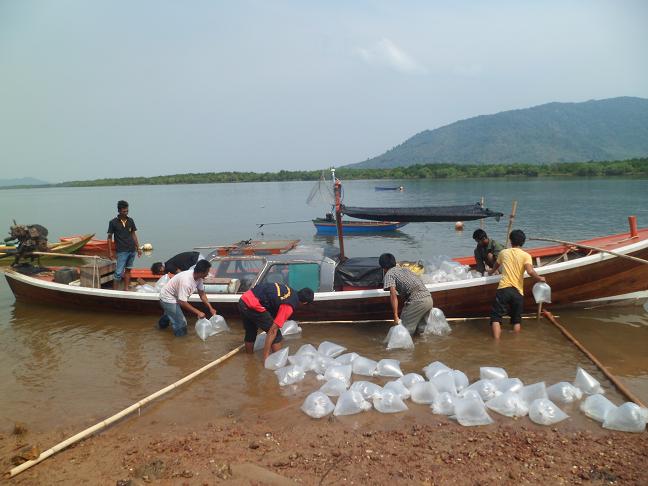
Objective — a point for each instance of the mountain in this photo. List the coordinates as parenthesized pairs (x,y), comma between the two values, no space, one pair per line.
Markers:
(24,181)
(610,129)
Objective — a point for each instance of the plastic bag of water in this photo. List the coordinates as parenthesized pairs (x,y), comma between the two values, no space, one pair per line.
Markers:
(530,393)
(485,388)
(409,379)
(626,418)
(289,375)
(317,405)
(346,358)
(541,292)
(341,372)
(332,350)
(435,368)
(322,363)
(545,412)
(460,380)
(508,404)
(399,338)
(351,402)
(443,404)
(162,281)
(290,328)
(388,367)
(277,360)
(334,387)
(368,389)
(470,411)
(203,328)
(259,342)
(364,366)
(219,324)
(492,373)
(508,384)
(437,323)
(597,407)
(306,349)
(386,401)
(423,392)
(444,382)
(564,392)
(146,288)
(305,362)
(587,383)
(398,388)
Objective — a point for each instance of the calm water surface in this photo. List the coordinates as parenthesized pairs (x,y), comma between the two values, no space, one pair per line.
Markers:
(66,369)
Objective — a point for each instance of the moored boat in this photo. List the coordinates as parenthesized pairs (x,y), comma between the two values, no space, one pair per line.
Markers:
(72,245)
(329,227)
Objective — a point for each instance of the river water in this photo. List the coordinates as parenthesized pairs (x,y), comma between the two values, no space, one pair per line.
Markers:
(62,369)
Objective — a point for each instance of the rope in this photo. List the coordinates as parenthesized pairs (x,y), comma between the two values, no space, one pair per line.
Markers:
(260,225)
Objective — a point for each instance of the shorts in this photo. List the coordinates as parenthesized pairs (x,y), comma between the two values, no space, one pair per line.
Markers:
(125,261)
(507,301)
(253,321)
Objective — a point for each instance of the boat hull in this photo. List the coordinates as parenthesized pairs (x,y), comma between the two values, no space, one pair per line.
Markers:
(324,227)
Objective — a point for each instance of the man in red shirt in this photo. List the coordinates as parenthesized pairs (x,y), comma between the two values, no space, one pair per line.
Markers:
(267,307)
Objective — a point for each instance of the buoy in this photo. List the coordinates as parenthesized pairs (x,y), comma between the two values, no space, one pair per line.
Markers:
(459,226)
(146,247)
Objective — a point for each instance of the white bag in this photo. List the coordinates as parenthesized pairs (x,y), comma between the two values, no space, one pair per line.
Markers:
(317,405)
(306,349)
(388,367)
(398,388)
(508,404)
(146,289)
(437,323)
(322,363)
(541,292)
(340,372)
(327,348)
(460,380)
(351,402)
(364,366)
(388,402)
(334,387)
(305,361)
(587,383)
(626,418)
(434,369)
(564,392)
(485,388)
(218,324)
(444,382)
(545,412)
(530,393)
(368,389)
(346,358)
(399,338)
(259,342)
(410,378)
(492,373)
(290,328)
(289,375)
(162,281)
(470,411)
(508,384)
(203,328)
(597,407)
(423,392)
(277,360)
(443,404)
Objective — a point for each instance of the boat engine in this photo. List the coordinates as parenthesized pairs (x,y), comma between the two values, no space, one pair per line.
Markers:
(29,238)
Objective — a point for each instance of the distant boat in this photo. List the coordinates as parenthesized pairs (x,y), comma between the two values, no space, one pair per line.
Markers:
(390,188)
(328,226)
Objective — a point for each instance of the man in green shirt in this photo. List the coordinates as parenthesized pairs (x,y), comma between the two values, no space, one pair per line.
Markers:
(486,251)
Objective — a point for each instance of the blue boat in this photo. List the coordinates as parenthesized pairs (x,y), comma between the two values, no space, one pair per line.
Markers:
(390,188)
(328,227)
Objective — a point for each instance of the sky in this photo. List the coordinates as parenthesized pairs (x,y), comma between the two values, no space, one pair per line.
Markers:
(118,88)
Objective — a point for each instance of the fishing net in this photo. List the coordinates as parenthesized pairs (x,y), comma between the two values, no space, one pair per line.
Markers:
(321,193)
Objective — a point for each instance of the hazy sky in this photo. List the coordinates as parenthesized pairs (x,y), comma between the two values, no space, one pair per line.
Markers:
(146,87)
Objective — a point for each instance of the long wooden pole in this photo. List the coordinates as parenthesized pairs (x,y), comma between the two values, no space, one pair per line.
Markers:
(510,225)
(620,386)
(91,430)
(595,248)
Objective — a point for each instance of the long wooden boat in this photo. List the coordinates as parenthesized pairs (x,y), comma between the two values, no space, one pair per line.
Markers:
(72,245)
(328,227)
(94,246)
(574,275)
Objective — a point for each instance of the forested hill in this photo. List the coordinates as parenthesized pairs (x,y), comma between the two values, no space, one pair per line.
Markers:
(610,129)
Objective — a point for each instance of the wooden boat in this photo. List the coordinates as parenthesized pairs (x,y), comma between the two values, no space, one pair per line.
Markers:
(573,274)
(63,247)
(329,227)
(93,246)
(389,188)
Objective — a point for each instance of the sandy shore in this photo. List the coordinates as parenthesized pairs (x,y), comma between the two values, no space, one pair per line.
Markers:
(285,446)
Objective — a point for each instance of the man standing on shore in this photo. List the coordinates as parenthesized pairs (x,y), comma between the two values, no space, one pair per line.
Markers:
(123,230)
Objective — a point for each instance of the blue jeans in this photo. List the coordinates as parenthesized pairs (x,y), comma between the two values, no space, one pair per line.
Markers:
(173,315)
(125,261)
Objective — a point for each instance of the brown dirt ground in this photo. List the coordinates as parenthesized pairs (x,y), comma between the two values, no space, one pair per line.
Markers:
(285,446)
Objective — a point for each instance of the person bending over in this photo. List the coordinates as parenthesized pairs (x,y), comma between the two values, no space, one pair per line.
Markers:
(178,263)
(486,251)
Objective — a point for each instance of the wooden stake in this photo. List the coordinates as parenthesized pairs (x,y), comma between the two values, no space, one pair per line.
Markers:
(481,221)
(101,425)
(510,225)
(595,248)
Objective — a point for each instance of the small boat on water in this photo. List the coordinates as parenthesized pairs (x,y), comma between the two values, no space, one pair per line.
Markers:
(93,246)
(327,226)
(69,246)
(390,188)
(575,274)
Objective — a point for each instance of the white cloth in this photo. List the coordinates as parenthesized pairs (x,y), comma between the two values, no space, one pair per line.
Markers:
(180,287)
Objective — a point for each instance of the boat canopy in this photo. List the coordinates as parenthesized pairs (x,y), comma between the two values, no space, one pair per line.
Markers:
(421,214)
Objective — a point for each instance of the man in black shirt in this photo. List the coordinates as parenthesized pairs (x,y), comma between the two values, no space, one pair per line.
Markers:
(486,251)
(179,263)
(123,230)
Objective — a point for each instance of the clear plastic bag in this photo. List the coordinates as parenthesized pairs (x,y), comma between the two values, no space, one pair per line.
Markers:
(259,342)
(289,375)
(437,324)
(564,392)
(203,328)
(485,388)
(341,372)
(460,380)
(332,350)
(161,282)
(290,328)
(444,382)
(307,349)
(467,393)
(434,369)
(317,405)
(492,373)
(389,368)
(470,411)
(346,358)
(305,361)
(322,363)
(545,412)
(351,402)
(443,404)
(399,338)
(364,366)
(219,324)
(597,407)
(423,392)
(587,383)
(530,393)
(146,289)
(398,388)
(508,404)
(508,384)
(541,292)
(386,401)
(334,387)
(368,389)
(626,418)
(277,360)
(410,378)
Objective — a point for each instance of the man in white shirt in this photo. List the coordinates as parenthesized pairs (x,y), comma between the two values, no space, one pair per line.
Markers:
(174,298)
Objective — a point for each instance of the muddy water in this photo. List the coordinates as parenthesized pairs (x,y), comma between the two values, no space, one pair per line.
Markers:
(62,369)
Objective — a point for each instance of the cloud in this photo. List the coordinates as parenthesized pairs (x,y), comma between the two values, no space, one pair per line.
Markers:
(385,53)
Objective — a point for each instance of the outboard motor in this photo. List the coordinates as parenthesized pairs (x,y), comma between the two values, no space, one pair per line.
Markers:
(30,238)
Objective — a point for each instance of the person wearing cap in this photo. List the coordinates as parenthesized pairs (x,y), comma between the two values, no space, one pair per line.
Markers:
(486,251)
(268,306)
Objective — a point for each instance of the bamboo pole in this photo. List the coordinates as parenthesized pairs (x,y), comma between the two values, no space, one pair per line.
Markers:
(481,221)
(620,386)
(91,430)
(61,255)
(588,247)
(510,224)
